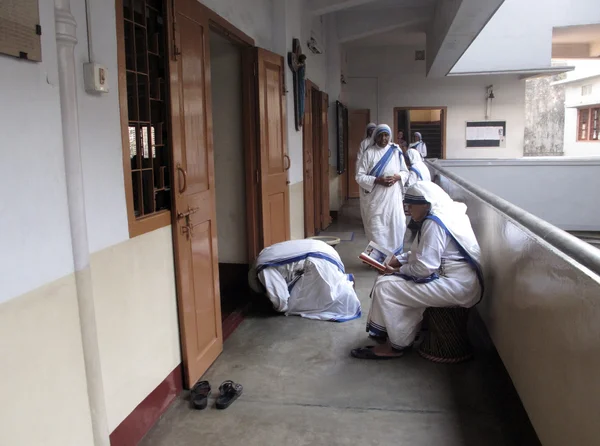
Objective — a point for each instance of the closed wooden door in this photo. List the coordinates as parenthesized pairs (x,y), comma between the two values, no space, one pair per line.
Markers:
(274,161)
(357,128)
(324,161)
(308,163)
(194,221)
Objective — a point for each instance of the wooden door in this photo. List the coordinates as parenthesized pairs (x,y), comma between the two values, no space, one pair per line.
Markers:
(317,149)
(194,225)
(357,128)
(308,163)
(324,161)
(274,161)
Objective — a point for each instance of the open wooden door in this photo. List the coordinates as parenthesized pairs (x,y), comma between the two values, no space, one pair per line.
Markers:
(357,127)
(308,164)
(317,155)
(324,161)
(194,221)
(274,161)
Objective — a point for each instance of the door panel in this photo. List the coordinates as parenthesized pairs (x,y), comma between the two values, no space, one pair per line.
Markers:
(317,151)
(273,148)
(308,164)
(358,123)
(325,214)
(194,221)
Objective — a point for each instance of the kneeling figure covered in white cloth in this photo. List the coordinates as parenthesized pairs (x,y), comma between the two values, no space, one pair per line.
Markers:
(306,278)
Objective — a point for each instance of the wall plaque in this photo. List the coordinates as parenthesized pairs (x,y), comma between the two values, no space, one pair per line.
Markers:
(20,29)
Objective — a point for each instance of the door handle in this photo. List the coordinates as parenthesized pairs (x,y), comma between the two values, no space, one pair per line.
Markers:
(289,162)
(182,170)
(187,213)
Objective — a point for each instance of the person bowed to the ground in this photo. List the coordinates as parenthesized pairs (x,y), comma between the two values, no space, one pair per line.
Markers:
(305,278)
(381,175)
(442,269)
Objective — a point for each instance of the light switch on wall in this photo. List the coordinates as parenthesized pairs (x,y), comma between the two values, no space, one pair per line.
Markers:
(95,77)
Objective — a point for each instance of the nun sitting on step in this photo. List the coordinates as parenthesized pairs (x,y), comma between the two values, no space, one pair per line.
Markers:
(442,269)
(306,278)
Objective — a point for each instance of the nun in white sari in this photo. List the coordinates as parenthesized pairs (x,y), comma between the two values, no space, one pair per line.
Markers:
(417,170)
(381,175)
(305,278)
(419,145)
(442,269)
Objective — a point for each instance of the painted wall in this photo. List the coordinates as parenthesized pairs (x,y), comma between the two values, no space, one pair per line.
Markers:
(538,186)
(401,81)
(230,172)
(425,115)
(512,27)
(574,98)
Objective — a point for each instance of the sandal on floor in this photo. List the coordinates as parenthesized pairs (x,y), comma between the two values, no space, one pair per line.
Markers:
(199,395)
(230,392)
(369,353)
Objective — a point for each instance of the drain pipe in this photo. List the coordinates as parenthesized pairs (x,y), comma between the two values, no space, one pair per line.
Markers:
(66,38)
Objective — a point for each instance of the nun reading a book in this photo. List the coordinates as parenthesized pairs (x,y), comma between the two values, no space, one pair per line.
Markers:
(442,269)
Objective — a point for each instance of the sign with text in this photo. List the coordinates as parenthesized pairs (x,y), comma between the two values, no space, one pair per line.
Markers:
(486,134)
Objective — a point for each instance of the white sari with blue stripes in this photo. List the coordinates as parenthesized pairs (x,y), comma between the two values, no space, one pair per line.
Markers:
(306,278)
(418,170)
(382,207)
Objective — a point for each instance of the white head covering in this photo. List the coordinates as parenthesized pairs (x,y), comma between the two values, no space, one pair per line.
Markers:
(451,215)
(381,128)
(414,156)
(370,125)
(419,135)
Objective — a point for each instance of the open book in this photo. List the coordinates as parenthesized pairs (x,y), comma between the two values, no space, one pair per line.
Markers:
(376,256)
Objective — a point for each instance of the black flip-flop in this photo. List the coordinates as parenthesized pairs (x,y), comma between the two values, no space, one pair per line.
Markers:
(199,395)
(230,392)
(369,353)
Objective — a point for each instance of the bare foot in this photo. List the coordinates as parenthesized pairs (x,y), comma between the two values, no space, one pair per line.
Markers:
(386,350)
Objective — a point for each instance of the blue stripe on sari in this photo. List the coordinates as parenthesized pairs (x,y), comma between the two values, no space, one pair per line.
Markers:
(415,170)
(316,255)
(463,251)
(349,318)
(383,162)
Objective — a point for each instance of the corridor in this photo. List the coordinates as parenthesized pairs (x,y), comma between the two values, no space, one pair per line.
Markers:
(301,387)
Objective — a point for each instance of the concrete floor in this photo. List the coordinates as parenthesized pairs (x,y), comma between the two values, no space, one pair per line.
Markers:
(301,387)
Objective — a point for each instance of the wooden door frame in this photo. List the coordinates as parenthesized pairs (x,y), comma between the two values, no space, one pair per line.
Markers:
(308,223)
(433,107)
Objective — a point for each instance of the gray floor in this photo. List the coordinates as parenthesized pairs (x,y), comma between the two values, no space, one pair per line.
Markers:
(301,387)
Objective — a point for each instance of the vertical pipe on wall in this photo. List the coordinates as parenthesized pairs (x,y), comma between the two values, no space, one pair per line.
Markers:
(66,38)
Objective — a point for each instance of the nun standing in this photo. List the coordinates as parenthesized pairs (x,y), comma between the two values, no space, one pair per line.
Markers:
(419,145)
(381,175)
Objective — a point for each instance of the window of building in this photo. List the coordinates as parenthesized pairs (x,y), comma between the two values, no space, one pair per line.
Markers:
(144,113)
(588,124)
(586,90)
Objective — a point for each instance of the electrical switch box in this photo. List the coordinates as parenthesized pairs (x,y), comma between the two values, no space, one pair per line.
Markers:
(95,77)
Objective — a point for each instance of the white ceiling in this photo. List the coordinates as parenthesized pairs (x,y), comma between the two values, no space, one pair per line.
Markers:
(576,34)
(380,5)
(404,36)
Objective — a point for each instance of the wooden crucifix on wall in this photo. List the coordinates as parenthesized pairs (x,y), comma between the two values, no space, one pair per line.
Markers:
(297,63)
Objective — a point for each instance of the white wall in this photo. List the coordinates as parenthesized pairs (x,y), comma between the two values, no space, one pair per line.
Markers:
(540,186)
(519,35)
(230,171)
(34,220)
(400,81)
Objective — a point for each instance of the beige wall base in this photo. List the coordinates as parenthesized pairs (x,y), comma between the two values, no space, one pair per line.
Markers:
(297,210)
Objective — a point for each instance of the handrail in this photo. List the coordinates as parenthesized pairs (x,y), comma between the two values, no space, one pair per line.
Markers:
(578,250)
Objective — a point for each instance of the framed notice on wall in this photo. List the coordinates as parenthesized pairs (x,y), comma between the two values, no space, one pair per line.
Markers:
(20,30)
(486,134)
(342,136)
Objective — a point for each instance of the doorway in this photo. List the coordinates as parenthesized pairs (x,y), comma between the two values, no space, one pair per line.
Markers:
(230,171)
(230,194)
(315,145)
(430,122)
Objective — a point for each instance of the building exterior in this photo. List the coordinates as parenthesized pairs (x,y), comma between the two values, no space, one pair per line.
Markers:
(111,243)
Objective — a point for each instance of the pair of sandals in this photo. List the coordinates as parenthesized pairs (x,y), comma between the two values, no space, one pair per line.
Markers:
(229,392)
